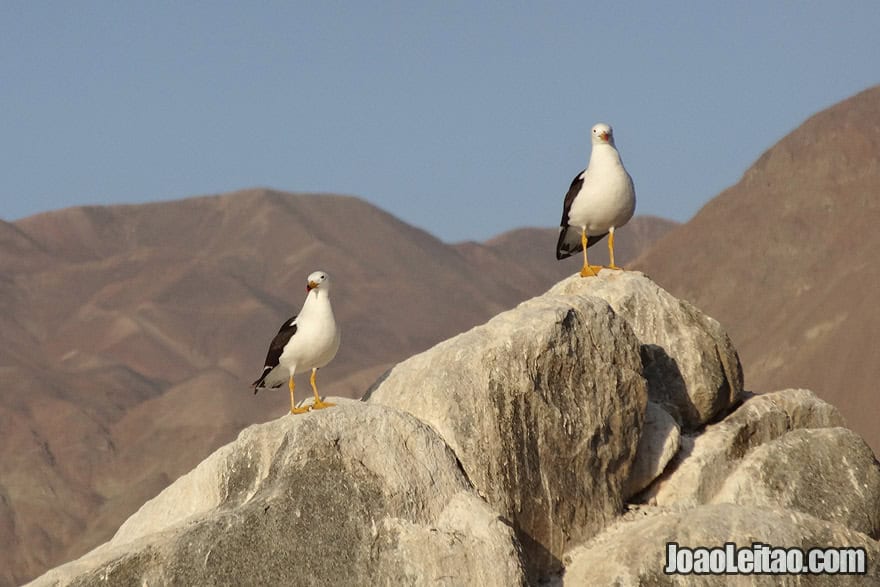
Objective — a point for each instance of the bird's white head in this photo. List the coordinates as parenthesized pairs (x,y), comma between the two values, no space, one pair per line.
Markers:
(319,280)
(603,135)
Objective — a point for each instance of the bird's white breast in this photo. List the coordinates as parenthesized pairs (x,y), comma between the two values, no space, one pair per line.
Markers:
(316,340)
(607,198)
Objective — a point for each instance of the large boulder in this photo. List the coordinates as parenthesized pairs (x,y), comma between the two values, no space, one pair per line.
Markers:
(827,472)
(543,405)
(706,460)
(356,494)
(507,453)
(691,365)
(634,551)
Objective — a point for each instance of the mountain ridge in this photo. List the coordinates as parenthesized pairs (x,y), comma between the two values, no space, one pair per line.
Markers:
(784,257)
(130,334)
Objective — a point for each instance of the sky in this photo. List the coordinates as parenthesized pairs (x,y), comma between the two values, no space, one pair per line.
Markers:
(466,119)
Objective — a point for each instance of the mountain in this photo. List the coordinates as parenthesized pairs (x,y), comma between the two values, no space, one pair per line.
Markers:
(129,336)
(786,260)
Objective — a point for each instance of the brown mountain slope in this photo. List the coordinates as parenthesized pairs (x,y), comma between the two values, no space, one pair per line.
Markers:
(130,334)
(786,260)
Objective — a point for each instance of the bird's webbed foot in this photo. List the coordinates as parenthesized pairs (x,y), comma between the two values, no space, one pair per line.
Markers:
(320,405)
(590,270)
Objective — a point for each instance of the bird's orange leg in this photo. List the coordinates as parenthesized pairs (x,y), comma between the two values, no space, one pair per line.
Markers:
(293,409)
(318,405)
(588,270)
(611,251)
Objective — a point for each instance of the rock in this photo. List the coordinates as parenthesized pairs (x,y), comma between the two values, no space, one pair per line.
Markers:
(357,494)
(658,444)
(634,551)
(506,453)
(704,461)
(543,405)
(829,473)
(690,363)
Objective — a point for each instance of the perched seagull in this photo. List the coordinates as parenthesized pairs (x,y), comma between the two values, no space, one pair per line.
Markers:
(601,198)
(309,340)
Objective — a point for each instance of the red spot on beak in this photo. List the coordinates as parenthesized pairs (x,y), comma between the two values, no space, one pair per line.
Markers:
(604,136)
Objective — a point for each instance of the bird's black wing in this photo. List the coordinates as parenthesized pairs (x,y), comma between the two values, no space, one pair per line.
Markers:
(576,185)
(569,241)
(285,333)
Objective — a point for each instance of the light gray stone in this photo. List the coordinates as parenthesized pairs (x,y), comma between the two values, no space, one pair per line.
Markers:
(355,494)
(658,444)
(690,363)
(633,552)
(829,473)
(529,434)
(543,405)
(705,461)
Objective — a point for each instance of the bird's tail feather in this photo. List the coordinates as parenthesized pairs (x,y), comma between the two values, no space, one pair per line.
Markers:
(261,380)
(569,242)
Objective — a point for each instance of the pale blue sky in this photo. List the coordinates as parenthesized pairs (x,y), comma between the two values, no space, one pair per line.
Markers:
(464,118)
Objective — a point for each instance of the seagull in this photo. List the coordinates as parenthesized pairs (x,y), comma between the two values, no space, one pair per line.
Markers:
(601,199)
(309,340)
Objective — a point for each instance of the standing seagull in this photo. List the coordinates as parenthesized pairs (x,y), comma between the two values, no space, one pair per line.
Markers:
(601,198)
(309,340)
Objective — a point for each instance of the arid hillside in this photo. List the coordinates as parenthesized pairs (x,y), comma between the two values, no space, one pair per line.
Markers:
(129,335)
(786,259)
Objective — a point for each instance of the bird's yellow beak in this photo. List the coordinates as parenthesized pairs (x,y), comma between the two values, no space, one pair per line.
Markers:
(312,285)
(604,136)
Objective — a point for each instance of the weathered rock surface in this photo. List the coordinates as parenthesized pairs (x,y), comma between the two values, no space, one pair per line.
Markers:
(543,405)
(357,494)
(690,363)
(829,473)
(660,441)
(706,460)
(633,552)
(529,434)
